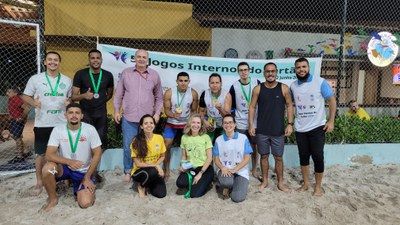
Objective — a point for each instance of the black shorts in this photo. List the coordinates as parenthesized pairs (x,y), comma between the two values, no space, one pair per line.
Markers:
(42,135)
(252,139)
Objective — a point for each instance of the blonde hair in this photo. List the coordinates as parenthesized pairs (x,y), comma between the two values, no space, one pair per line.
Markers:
(187,130)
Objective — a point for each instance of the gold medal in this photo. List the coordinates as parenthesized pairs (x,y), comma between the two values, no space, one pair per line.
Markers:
(178,110)
(215,101)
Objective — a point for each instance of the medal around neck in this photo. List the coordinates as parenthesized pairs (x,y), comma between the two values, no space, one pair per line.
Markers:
(96,86)
(73,155)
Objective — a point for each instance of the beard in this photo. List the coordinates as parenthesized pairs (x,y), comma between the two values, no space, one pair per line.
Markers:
(75,123)
(270,81)
(303,79)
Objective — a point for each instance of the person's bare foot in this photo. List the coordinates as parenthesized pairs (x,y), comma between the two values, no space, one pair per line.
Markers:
(6,135)
(141,191)
(303,188)
(283,188)
(166,177)
(262,185)
(256,175)
(318,192)
(126,178)
(225,193)
(49,205)
(37,190)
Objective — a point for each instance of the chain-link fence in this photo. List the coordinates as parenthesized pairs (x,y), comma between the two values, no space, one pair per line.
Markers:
(337,30)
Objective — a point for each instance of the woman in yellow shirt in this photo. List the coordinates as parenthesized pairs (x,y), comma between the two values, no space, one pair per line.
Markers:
(148,152)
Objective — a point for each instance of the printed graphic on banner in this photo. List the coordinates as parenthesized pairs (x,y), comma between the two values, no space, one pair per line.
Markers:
(396,73)
(381,49)
(116,59)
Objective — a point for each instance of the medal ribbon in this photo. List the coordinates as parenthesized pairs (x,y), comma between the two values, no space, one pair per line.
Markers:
(247,97)
(96,86)
(73,146)
(190,178)
(53,91)
(180,102)
(215,97)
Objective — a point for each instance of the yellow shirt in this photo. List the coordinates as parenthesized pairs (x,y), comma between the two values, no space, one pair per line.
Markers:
(361,113)
(155,148)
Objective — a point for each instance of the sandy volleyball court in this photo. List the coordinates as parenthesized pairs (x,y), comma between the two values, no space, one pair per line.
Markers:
(362,194)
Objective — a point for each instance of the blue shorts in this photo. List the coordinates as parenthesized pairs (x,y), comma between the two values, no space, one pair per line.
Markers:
(75,176)
(16,128)
(171,130)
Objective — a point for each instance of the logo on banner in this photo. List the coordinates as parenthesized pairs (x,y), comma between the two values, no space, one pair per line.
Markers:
(381,49)
(120,55)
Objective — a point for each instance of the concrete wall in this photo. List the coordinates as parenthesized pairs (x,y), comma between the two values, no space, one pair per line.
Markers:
(348,154)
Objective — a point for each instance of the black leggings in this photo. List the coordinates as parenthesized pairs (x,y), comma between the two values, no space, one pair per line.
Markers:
(149,178)
(201,187)
(311,143)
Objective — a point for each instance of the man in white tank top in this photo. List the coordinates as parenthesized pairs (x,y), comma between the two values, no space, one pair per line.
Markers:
(310,93)
(179,103)
(211,106)
(238,99)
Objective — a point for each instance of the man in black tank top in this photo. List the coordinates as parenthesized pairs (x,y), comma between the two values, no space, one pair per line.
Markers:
(271,98)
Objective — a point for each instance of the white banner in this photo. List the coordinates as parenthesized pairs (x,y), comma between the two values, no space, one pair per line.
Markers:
(117,58)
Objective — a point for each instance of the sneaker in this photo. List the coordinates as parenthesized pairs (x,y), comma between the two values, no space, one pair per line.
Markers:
(27,154)
(98,178)
(16,160)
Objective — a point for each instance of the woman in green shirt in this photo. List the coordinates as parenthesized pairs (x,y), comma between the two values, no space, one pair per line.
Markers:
(196,170)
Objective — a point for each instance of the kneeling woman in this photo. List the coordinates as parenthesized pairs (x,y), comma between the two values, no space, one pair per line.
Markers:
(148,151)
(197,152)
(232,153)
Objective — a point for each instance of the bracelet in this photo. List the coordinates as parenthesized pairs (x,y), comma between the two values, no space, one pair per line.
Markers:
(291,124)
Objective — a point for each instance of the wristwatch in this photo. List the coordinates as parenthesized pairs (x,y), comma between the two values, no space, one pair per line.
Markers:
(290,123)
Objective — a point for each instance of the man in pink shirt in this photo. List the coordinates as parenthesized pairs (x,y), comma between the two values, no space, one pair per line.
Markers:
(139,91)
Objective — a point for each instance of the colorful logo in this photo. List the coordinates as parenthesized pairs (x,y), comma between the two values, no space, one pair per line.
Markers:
(120,55)
(381,49)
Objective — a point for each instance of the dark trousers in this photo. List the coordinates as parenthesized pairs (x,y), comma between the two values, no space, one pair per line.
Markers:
(311,143)
(149,178)
(201,187)
(99,121)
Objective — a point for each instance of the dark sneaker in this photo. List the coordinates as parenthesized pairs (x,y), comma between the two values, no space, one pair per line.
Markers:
(28,154)
(16,160)
(98,178)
